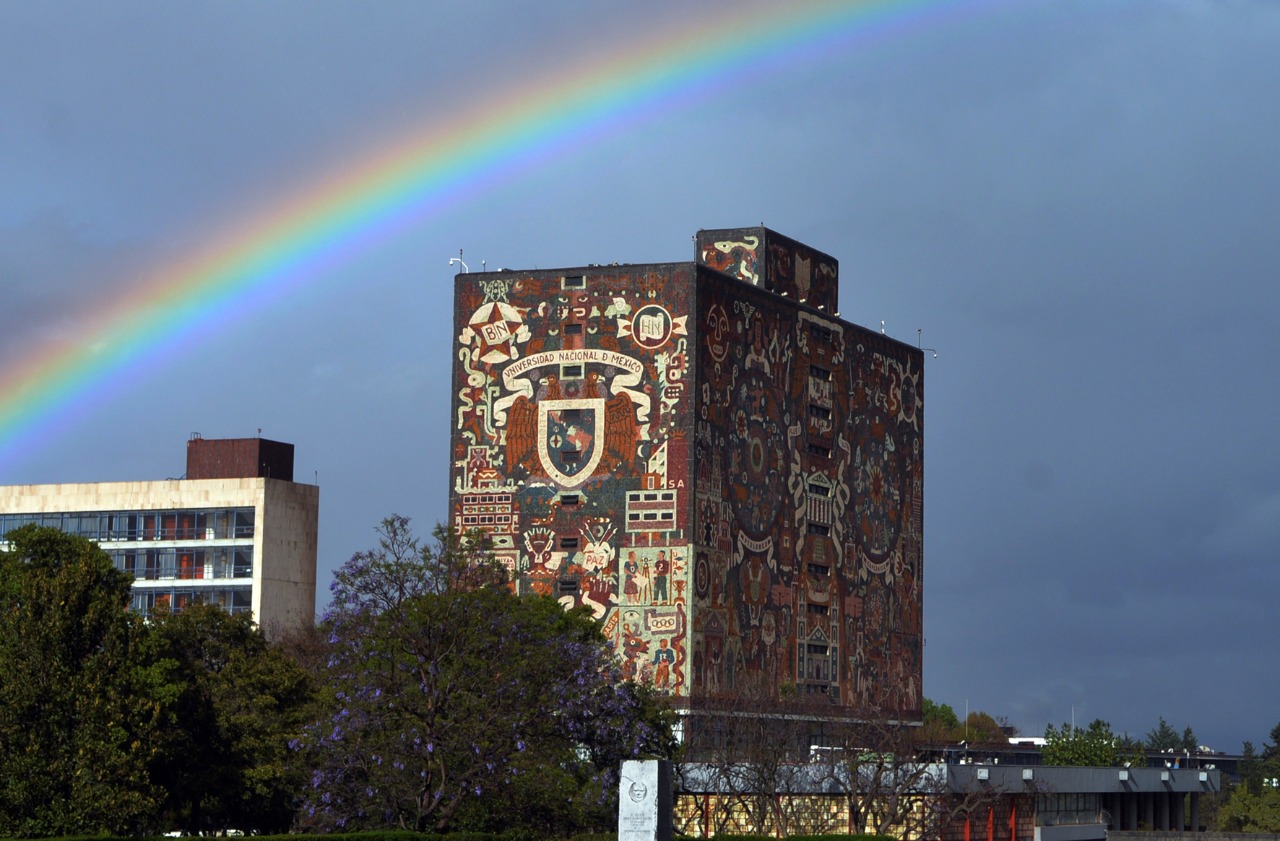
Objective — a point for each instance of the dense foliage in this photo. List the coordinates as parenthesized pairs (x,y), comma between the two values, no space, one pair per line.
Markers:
(235,701)
(450,695)
(435,698)
(112,725)
(1094,745)
(941,724)
(78,712)
(1163,737)
(1254,804)
(431,698)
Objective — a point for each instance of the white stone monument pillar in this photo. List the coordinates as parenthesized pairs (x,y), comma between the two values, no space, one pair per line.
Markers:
(644,801)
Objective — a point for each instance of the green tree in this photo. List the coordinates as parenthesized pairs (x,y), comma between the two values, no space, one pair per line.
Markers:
(77,711)
(1259,772)
(1250,769)
(1163,737)
(225,760)
(1094,746)
(1271,750)
(939,723)
(457,703)
(1247,811)
(980,727)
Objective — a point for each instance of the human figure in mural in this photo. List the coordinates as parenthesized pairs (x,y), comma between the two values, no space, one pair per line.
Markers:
(631,578)
(715,660)
(757,351)
(661,569)
(663,659)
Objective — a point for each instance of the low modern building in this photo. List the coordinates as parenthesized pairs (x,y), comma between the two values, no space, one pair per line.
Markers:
(942,800)
(237,531)
(1080,804)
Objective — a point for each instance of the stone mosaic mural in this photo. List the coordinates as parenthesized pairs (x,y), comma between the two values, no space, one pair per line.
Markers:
(731,483)
(569,446)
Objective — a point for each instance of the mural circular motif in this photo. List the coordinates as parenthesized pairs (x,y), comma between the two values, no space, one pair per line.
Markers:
(496,326)
(701,577)
(651,326)
(756,447)
(876,623)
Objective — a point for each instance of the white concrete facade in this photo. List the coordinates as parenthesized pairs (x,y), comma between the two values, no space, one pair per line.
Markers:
(185,524)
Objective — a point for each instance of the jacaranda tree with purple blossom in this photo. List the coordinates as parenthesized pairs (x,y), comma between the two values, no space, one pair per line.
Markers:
(458,704)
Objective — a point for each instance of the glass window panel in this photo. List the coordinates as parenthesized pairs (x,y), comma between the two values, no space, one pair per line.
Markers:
(186,565)
(244,522)
(168,563)
(243,564)
(221,563)
(241,600)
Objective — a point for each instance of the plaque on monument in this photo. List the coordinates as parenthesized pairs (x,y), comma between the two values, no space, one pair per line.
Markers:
(644,801)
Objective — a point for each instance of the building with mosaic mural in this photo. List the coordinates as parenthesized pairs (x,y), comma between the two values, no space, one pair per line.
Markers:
(705,455)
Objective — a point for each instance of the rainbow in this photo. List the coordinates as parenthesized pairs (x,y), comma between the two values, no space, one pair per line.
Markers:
(265,258)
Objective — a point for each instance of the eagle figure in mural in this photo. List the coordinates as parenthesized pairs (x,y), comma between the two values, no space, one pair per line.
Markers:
(522,427)
(620,433)
(549,388)
(522,435)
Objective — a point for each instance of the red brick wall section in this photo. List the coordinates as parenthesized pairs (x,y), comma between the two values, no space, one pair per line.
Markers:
(236,458)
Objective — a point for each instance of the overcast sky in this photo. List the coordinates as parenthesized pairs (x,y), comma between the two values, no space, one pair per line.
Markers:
(1077,203)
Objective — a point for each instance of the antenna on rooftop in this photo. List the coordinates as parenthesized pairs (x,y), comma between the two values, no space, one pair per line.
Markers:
(458,260)
(919,338)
